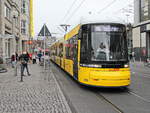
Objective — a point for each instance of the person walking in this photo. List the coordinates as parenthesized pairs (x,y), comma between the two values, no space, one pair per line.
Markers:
(13,60)
(133,56)
(24,59)
(39,56)
(17,56)
(34,58)
(47,59)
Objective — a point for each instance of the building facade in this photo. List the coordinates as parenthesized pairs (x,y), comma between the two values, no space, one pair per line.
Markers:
(14,26)
(25,24)
(9,27)
(141,29)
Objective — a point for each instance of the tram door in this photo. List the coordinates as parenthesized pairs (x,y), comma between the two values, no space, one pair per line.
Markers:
(75,57)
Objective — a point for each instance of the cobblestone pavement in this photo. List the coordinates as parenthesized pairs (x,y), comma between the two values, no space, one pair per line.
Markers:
(39,93)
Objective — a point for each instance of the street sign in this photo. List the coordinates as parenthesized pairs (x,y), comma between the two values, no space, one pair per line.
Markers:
(44,31)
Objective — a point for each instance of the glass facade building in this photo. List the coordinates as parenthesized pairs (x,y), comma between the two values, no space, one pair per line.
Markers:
(144,10)
(141,29)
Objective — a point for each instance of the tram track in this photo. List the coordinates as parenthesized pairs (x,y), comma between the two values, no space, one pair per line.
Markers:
(114,106)
(142,98)
(109,100)
(97,94)
(138,96)
(101,97)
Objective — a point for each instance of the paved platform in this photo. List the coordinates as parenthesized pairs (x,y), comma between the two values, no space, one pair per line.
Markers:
(39,93)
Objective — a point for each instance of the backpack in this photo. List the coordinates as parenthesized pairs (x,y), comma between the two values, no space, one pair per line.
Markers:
(24,59)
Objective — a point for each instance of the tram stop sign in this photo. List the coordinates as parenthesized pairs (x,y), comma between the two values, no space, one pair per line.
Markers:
(44,31)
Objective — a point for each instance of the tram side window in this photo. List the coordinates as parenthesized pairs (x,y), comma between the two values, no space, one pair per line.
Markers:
(75,46)
(60,50)
(84,47)
(68,49)
(71,48)
(57,51)
(53,51)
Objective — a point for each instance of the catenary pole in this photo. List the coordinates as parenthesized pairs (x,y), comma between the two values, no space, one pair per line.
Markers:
(44,45)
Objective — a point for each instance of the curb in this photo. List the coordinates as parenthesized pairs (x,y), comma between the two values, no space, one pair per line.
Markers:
(61,93)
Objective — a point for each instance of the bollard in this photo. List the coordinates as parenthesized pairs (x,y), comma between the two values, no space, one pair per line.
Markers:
(21,79)
(16,69)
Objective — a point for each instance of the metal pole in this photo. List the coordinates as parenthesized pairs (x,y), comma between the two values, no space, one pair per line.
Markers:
(16,68)
(21,66)
(44,46)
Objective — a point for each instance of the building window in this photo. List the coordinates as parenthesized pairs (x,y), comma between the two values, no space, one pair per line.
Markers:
(23,8)
(145,12)
(23,27)
(16,18)
(17,21)
(7,12)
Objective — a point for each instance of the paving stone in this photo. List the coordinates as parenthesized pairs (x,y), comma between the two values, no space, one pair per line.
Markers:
(39,93)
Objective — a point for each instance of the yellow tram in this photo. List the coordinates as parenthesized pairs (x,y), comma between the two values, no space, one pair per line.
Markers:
(95,54)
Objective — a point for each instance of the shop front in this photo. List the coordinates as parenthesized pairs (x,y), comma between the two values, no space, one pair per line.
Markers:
(145,42)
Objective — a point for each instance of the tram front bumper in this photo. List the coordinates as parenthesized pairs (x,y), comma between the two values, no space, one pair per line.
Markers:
(108,78)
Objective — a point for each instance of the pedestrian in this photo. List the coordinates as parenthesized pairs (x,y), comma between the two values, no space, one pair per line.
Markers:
(130,56)
(24,59)
(144,55)
(13,60)
(39,56)
(133,56)
(29,56)
(47,58)
(34,58)
(17,57)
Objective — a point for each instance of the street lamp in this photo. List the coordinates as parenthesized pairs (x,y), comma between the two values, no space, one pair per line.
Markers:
(65,27)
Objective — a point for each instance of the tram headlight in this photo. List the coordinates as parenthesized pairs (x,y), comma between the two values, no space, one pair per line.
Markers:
(126,65)
(96,66)
(91,65)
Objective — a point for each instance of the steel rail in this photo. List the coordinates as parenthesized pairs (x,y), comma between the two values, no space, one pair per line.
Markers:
(116,108)
(138,96)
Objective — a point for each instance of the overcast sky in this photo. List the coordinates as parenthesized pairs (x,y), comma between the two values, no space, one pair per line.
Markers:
(56,12)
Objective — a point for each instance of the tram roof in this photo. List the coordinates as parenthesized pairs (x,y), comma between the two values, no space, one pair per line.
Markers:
(92,20)
(101,20)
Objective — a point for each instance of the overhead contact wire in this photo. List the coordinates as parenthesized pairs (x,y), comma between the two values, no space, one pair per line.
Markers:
(68,11)
(107,6)
(75,11)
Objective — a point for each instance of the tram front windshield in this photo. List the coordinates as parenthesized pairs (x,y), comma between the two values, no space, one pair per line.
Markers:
(107,43)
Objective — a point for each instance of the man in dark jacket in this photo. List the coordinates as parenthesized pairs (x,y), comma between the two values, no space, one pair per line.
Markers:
(13,59)
(24,58)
